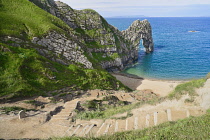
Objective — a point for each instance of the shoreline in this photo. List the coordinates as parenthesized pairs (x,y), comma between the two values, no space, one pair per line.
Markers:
(151,79)
(159,87)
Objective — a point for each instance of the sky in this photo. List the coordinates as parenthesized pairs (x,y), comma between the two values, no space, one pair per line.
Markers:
(148,8)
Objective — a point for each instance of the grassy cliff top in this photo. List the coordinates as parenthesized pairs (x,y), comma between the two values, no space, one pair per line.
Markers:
(23,19)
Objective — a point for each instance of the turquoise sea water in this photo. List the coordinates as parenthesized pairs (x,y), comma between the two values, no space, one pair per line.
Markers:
(179,54)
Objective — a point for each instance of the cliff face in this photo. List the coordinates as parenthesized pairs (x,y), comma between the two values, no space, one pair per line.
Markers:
(92,42)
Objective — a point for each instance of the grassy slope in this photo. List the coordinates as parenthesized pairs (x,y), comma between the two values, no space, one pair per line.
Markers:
(23,72)
(187,88)
(189,128)
(23,19)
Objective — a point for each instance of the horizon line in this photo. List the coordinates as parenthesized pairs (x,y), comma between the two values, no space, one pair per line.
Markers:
(155,16)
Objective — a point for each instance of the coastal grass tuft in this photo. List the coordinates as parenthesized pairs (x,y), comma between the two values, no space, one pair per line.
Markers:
(189,128)
(187,88)
(23,72)
(208,76)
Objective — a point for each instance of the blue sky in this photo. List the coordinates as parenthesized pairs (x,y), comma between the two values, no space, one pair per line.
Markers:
(152,8)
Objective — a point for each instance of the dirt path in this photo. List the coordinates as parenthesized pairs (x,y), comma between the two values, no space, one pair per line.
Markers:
(36,126)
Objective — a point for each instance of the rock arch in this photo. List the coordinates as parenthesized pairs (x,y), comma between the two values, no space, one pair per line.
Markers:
(140,30)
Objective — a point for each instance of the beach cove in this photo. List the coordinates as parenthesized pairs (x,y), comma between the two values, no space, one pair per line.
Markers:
(159,87)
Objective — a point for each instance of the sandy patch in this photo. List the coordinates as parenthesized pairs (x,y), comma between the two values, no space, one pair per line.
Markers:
(162,88)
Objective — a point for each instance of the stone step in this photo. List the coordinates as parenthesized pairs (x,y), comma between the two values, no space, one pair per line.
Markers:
(60,117)
(82,132)
(179,114)
(68,131)
(155,118)
(130,122)
(161,116)
(169,114)
(88,132)
(71,104)
(126,124)
(112,127)
(67,113)
(101,129)
(75,130)
(68,110)
(120,125)
(65,123)
(106,128)
(116,128)
(195,112)
(147,120)
(140,121)
(136,126)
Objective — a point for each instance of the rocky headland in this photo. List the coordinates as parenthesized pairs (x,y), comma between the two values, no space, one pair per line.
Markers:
(92,42)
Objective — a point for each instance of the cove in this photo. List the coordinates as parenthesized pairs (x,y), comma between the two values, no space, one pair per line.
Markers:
(178,53)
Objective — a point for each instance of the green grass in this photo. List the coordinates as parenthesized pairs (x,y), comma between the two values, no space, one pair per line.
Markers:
(32,102)
(23,19)
(115,55)
(23,72)
(91,10)
(190,128)
(6,110)
(187,88)
(99,57)
(208,76)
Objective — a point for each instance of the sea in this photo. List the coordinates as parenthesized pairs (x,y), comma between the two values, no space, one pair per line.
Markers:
(178,53)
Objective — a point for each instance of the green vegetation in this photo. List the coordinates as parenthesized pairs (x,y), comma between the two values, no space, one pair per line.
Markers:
(90,10)
(23,72)
(109,112)
(6,110)
(23,19)
(92,33)
(99,57)
(208,76)
(32,102)
(114,56)
(189,128)
(187,88)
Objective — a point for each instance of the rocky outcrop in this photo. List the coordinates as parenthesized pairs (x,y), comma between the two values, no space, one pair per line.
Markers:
(93,41)
(56,47)
(140,30)
(61,49)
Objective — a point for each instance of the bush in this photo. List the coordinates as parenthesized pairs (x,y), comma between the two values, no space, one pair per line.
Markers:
(186,88)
